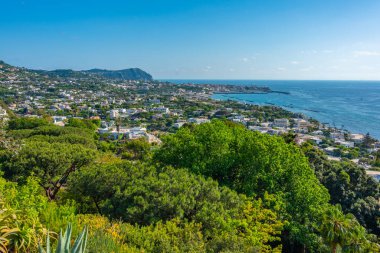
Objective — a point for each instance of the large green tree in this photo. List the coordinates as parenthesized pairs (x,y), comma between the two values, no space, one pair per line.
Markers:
(251,163)
(51,163)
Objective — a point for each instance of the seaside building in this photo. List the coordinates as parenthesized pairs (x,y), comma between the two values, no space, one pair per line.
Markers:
(303,138)
(347,144)
(357,138)
(301,123)
(318,132)
(337,136)
(281,123)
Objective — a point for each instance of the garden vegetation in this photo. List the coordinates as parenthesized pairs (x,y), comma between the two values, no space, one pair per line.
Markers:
(214,187)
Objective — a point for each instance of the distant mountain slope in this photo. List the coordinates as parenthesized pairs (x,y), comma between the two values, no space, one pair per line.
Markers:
(64,73)
(124,74)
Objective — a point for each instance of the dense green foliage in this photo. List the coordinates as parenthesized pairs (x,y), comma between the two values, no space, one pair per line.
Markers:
(349,186)
(251,163)
(26,123)
(142,195)
(214,187)
(52,163)
(32,213)
(138,149)
(50,153)
(83,123)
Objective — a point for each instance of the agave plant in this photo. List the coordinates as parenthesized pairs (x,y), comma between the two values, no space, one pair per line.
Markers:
(64,245)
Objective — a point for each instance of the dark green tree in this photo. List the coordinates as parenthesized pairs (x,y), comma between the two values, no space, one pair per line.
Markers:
(349,186)
(51,163)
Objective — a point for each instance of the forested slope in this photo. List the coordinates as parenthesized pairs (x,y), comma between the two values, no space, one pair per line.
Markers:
(214,187)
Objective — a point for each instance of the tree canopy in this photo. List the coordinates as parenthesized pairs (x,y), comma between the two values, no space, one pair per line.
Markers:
(349,186)
(143,195)
(249,162)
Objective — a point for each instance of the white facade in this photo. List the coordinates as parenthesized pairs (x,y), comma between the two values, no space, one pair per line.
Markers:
(114,114)
(347,144)
(281,123)
(357,138)
(161,109)
(198,120)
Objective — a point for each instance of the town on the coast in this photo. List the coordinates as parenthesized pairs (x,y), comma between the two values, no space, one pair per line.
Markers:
(126,109)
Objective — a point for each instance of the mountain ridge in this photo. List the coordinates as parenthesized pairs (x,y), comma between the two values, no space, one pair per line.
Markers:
(122,74)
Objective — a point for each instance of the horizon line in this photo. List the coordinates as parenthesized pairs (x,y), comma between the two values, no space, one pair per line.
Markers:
(245,79)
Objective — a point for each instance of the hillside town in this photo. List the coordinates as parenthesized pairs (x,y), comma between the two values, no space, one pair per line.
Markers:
(135,109)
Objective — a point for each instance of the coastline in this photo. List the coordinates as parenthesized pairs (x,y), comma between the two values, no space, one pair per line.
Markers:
(352,105)
(253,92)
(284,108)
(265,90)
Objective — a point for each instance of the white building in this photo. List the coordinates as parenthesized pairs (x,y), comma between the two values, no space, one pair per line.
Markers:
(337,136)
(198,120)
(301,123)
(281,123)
(160,109)
(357,138)
(347,144)
(114,114)
(261,129)
(316,140)
(265,124)
(318,132)
(59,120)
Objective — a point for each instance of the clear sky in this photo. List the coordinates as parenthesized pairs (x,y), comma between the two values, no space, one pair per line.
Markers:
(198,39)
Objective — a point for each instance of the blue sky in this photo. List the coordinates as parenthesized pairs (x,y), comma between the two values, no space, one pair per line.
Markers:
(209,39)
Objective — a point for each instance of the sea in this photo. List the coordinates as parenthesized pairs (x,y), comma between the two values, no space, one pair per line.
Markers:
(351,105)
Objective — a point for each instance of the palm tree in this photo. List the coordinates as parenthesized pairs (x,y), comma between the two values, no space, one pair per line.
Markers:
(336,227)
(358,241)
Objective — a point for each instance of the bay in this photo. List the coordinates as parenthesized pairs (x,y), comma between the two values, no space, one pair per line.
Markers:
(352,105)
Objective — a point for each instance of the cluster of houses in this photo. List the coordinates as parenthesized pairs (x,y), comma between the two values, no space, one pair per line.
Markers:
(123,133)
(133,100)
(116,132)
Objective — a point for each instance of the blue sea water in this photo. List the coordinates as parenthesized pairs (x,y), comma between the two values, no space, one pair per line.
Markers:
(353,105)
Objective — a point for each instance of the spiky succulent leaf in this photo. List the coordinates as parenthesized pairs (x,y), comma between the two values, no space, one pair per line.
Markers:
(64,242)
(80,242)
